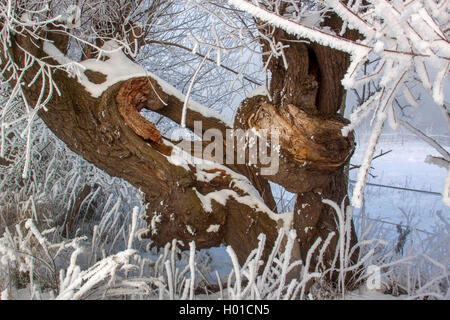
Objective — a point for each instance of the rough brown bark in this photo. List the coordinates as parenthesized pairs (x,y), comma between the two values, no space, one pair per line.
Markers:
(311,145)
(309,92)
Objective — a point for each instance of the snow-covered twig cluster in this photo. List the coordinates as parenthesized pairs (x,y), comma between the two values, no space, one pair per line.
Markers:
(86,28)
(27,252)
(279,277)
(63,197)
(67,267)
(413,263)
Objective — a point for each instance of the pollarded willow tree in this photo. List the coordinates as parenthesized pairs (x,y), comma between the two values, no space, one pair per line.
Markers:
(79,67)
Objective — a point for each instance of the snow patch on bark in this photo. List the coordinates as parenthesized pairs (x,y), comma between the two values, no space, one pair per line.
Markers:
(213,228)
(251,198)
(118,67)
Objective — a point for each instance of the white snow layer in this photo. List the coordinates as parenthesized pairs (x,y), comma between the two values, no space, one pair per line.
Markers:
(118,68)
(251,198)
(259,91)
(213,228)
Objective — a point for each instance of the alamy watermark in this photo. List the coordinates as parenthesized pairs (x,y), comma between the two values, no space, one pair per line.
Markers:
(252,147)
(373,278)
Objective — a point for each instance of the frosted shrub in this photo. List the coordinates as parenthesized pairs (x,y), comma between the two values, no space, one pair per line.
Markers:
(30,259)
(419,269)
(67,267)
(63,197)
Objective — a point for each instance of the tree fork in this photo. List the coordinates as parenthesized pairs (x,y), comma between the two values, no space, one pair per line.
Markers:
(108,132)
(95,129)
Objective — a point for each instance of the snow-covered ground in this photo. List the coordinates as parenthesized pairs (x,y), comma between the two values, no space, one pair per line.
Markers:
(404,167)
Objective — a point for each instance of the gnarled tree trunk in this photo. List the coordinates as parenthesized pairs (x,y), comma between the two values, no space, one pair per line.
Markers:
(110,133)
(306,92)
